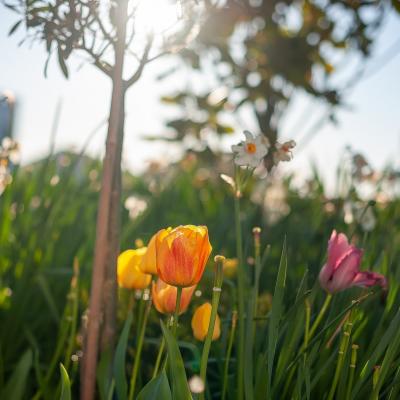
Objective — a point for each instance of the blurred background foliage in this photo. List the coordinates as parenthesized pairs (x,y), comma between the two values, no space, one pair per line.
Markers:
(253,55)
(48,215)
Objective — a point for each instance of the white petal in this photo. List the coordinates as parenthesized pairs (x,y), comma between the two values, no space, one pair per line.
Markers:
(237,147)
(242,160)
(249,136)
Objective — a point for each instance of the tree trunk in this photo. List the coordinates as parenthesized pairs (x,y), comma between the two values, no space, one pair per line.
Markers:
(101,317)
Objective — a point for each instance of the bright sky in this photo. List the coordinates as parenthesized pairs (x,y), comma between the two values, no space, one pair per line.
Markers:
(371,123)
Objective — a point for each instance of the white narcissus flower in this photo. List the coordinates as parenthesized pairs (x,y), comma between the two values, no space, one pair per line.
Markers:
(250,152)
(284,151)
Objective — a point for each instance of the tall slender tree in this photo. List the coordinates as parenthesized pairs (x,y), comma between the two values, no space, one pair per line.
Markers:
(107,32)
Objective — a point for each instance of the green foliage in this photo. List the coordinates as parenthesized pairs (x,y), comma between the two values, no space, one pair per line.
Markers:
(254,55)
(121,384)
(157,388)
(177,374)
(48,295)
(65,384)
(15,387)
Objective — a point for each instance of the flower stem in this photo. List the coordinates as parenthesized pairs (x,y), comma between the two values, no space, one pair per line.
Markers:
(320,315)
(139,350)
(341,357)
(307,326)
(228,354)
(159,356)
(353,363)
(240,283)
(219,260)
(177,307)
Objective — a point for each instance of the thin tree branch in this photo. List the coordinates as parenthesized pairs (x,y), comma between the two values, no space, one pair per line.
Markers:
(144,60)
(101,65)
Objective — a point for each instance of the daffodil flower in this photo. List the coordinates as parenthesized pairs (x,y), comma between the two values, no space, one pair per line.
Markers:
(284,151)
(250,152)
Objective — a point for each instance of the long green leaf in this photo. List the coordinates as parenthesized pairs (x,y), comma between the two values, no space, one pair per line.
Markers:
(248,357)
(276,313)
(121,384)
(373,359)
(104,381)
(178,379)
(65,384)
(16,385)
(157,388)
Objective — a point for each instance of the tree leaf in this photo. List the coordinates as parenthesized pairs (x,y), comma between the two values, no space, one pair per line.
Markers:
(14,27)
(61,62)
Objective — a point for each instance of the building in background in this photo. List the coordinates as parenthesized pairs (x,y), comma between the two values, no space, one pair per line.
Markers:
(7,108)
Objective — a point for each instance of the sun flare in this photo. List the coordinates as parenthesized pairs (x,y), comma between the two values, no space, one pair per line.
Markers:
(156,16)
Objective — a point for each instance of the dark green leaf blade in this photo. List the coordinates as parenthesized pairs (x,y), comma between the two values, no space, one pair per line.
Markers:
(178,379)
(121,384)
(157,388)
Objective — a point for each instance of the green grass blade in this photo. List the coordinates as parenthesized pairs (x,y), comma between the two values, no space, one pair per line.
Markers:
(392,330)
(65,384)
(276,313)
(16,385)
(121,384)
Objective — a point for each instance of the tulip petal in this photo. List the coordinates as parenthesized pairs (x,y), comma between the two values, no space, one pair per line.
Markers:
(346,270)
(337,246)
(368,278)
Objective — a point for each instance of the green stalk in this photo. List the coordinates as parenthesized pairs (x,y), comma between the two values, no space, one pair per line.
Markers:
(139,351)
(228,354)
(257,270)
(375,380)
(353,363)
(341,357)
(320,315)
(177,307)
(159,355)
(307,326)
(240,283)
(218,277)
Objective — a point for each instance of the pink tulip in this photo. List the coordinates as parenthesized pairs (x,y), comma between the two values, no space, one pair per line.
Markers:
(342,269)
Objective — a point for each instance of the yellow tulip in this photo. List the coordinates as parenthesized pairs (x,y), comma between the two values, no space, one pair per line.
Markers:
(128,273)
(230,267)
(148,264)
(201,322)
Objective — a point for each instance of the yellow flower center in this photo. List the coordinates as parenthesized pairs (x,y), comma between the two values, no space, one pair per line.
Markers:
(251,148)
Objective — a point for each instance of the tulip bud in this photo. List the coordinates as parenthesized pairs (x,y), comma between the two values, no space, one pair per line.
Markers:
(164,297)
(201,321)
(342,270)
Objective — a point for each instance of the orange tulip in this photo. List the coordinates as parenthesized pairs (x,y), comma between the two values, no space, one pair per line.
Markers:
(164,297)
(128,273)
(148,264)
(182,254)
(201,322)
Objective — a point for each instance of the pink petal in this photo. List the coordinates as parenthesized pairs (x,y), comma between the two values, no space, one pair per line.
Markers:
(338,246)
(347,268)
(368,278)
